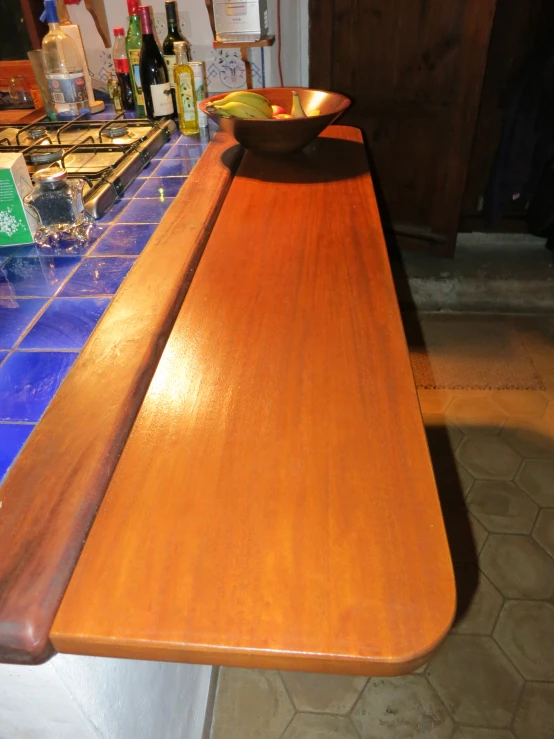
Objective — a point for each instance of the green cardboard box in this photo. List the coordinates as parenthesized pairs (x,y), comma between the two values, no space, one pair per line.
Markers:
(17,224)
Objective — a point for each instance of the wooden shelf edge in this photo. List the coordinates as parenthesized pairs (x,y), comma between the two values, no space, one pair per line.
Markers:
(52,493)
(269,41)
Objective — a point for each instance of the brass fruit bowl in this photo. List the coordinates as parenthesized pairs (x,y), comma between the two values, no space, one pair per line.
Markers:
(265,136)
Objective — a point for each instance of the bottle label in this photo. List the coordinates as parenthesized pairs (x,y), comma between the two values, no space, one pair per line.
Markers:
(162,102)
(67,88)
(121,65)
(134,56)
(187,96)
(170,64)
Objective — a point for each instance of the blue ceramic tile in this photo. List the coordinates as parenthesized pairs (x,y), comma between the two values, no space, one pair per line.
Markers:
(174,168)
(142,210)
(3,356)
(125,239)
(164,151)
(12,438)
(28,382)
(132,190)
(35,276)
(66,324)
(114,212)
(68,247)
(169,187)
(21,250)
(15,316)
(98,276)
(147,171)
(186,151)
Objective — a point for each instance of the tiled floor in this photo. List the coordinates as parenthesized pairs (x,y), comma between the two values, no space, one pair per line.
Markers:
(493,453)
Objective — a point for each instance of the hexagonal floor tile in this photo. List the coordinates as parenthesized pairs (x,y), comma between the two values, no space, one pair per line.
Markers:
(479,602)
(476,415)
(544,531)
(310,726)
(517,403)
(401,708)
(535,715)
(436,422)
(250,704)
(466,536)
(323,693)
(470,732)
(434,401)
(488,458)
(525,631)
(530,437)
(536,477)
(502,507)
(518,566)
(476,681)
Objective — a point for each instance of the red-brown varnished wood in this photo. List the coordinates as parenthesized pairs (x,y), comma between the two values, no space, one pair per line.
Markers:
(51,495)
(275,504)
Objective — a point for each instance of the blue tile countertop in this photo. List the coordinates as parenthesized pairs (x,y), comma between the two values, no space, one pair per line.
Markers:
(52,299)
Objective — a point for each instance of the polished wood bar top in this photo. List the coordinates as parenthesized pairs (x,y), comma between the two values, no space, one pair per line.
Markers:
(275,505)
(51,494)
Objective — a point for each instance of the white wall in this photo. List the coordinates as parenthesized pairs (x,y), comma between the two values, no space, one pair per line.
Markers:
(73,697)
(194,18)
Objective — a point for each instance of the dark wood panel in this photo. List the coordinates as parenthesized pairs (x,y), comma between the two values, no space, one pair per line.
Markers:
(414,71)
(52,493)
(275,504)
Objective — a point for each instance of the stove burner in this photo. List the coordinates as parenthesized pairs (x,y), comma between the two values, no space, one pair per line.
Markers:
(115,130)
(37,133)
(46,157)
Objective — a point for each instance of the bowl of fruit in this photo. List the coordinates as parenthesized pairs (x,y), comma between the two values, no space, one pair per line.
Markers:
(275,120)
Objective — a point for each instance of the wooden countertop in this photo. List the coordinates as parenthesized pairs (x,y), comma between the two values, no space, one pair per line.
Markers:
(275,505)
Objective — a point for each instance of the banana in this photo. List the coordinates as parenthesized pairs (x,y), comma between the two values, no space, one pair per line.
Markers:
(239,110)
(248,98)
(297,109)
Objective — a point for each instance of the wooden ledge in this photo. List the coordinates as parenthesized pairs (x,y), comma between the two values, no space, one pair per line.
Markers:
(50,497)
(275,504)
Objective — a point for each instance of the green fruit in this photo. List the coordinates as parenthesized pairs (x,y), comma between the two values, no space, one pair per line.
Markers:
(297,109)
(248,98)
(240,110)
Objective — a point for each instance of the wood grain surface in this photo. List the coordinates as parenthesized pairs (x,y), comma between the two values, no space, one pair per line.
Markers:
(52,493)
(275,504)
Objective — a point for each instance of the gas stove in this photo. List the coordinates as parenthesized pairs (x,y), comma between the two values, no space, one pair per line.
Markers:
(108,155)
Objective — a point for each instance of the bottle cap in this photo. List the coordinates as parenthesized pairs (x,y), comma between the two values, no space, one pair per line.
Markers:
(50,175)
(50,12)
(179,46)
(118,32)
(133,6)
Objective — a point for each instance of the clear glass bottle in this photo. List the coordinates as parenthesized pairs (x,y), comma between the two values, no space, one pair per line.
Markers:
(62,68)
(184,91)
(133,44)
(58,205)
(114,91)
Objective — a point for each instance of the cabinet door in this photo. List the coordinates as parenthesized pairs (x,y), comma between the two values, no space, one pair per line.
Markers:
(414,69)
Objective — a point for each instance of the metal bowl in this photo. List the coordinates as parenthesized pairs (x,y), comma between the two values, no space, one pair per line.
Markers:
(276,136)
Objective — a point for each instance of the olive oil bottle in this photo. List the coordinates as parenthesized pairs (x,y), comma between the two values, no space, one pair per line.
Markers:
(184,91)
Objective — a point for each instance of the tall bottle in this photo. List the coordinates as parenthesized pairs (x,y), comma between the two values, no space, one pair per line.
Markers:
(62,67)
(173,35)
(133,44)
(184,91)
(156,89)
(123,69)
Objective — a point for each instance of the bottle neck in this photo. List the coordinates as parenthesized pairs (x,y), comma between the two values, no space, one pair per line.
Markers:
(145,20)
(171,12)
(54,26)
(181,57)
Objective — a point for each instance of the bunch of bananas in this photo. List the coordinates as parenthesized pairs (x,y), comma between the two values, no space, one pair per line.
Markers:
(243,105)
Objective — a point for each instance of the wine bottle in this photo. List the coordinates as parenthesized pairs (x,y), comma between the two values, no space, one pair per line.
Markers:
(173,35)
(184,91)
(133,43)
(156,89)
(122,69)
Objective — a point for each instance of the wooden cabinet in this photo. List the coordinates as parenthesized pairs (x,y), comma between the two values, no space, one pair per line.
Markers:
(414,69)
